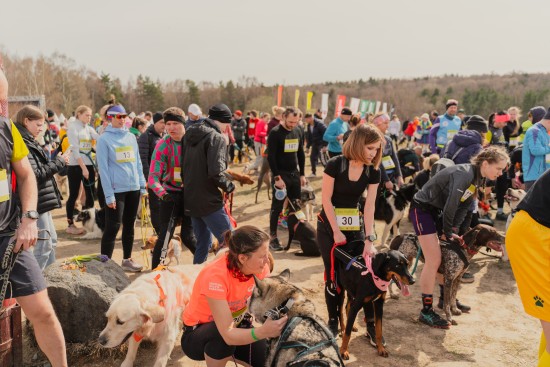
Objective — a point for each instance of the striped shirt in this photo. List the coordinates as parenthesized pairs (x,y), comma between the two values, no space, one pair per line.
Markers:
(165,170)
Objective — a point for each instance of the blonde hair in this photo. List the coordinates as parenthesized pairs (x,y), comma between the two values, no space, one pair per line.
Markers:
(429,162)
(81,109)
(277,110)
(354,147)
(517,110)
(30,113)
(492,154)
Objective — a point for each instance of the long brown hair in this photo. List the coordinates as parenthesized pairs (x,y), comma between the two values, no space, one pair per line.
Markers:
(29,112)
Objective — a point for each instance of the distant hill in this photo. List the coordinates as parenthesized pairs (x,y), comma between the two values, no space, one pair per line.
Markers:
(67,85)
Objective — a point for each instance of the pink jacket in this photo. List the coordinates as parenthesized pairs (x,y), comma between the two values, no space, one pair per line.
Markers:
(261,132)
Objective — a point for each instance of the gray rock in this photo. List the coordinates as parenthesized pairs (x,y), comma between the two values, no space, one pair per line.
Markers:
(80,299)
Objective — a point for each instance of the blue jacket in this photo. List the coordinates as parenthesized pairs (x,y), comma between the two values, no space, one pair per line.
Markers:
(119,163)
(444,128)
(335,128)
(535,148)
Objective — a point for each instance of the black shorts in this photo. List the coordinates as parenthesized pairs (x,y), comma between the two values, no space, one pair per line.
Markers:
(26,277)
(206,339)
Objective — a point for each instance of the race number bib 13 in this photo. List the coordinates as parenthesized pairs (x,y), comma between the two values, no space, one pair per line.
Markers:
(469,192)
(125,154)
(451,133)
(387,162)
(4,187)
(85,145)
(291,145)
(347,219)
(177,174)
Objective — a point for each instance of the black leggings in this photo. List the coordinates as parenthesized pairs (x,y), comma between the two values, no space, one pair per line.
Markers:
(206,339)
(293,189)
(187,235)
(125,213)
(74,175)
(502,185)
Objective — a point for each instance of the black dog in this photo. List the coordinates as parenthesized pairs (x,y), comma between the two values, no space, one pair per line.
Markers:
(361,287)
(300,230)
(391,209)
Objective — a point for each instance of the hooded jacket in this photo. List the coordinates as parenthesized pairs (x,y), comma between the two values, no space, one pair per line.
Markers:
(119,163)
(49,197)
(536,149)
(147,142)
(203,164)
(469,140)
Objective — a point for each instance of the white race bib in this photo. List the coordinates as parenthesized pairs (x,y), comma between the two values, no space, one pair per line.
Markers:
(514,142)
(347,219)
(548,159)
(4,187)
(125,154)
(451,133)
(177,174)
(387,162)
(251,125)
(469,192)
(300,215)
(291,145)
(85,145)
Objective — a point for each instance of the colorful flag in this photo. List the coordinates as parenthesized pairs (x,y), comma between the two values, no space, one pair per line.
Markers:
(296,98)
(340,103)
(377,109)
(308,102)
(280,96)
(324,105)
(372,106)
(363,107)
(354,105)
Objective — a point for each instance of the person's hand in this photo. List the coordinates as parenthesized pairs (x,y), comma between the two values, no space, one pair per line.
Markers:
(339,237)
(280,184)
(273,328)
(230,188)
(369,249)
(169,197)
(26,234)
(324,149)
(400,181)
(388,185)
(112,205)
(85,173)
(303,181)
(340,137)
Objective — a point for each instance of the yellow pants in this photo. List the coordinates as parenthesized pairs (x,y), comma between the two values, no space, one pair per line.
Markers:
(528,245)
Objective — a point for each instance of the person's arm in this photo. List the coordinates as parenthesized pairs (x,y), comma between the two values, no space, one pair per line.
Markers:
(103,166)
(452,205)
(433,136)
(331,133)
(158,165)
(27,232)
(301,157)
(272,151)
(44,172)
(368,218)
(143,144)
(139,168)
(327,189)
(235,336)
(92,132)
(538,147)
(216,160)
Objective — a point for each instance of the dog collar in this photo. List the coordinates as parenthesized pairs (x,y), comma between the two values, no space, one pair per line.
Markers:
(137,337)
(465,246)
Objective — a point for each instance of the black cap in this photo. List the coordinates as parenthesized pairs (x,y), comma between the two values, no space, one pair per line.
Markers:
(346,111)
(547,116)
(221,113)
(157,116)
(478,124)
(50,113)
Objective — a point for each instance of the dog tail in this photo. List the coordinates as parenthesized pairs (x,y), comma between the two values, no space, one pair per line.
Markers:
(396,242)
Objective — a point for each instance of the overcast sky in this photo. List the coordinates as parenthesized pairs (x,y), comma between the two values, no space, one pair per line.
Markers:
(285,41)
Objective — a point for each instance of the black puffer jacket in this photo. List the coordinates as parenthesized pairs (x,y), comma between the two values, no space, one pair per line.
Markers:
(147,143)
(49,197)
(204,161)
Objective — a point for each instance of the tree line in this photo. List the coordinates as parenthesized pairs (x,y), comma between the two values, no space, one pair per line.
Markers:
(67,85)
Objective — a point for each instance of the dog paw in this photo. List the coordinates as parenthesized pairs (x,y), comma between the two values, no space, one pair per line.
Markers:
(344,354)
(382,352)
(453,322)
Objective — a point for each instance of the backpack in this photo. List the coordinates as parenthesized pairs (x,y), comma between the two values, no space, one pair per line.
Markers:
(444,162)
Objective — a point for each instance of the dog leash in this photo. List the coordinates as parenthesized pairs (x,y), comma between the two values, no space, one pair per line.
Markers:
(145,221)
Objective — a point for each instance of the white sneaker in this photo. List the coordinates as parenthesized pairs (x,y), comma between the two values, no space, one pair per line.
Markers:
(131,265)
(74,230)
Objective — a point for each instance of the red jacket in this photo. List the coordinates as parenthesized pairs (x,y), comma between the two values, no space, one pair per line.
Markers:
(252,126)
(261,132)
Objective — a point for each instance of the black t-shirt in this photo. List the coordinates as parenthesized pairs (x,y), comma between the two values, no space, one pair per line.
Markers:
(285,150)
(347,193)
(537,200)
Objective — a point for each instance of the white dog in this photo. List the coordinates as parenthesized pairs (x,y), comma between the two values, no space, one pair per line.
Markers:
(150,308)
(513,197)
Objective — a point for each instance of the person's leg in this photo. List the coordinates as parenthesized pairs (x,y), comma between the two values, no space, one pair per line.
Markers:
(187,234)
(154,210)
(252,354)
(165,212)
(218,223)
(325,241)
(276,207)
(314,157)
(501,186)
(100,194)
(241,147)
(89,188)
(113,219)
(204,240)
(74,176)
(53,238)
(206,343)
(131,203)
(49,335)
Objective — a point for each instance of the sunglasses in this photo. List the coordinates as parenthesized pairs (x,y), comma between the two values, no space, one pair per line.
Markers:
(120,116)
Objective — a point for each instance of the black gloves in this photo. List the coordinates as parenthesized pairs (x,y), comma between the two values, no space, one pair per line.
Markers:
(169,197)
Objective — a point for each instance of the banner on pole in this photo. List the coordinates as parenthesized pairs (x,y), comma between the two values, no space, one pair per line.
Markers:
(354,105)
(385,107)
(340,103)
(324,105)
(363,107)
(296,98)
(372,106)
(378,104)
(280,95)
(308,102)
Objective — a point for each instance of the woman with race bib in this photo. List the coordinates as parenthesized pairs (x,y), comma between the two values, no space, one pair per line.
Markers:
(390,169)
(345,179)
(123,182)
(81,167)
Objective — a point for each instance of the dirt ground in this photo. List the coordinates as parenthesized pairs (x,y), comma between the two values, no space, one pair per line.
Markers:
(496,333)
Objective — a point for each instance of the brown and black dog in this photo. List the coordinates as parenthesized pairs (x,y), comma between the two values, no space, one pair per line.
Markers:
(391,265)
(455,258)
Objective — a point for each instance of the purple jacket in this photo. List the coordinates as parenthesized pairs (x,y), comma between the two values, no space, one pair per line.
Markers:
(469,140)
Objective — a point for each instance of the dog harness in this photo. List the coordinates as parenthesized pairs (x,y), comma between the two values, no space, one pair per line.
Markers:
(138,337)
(379,283)
(457,247)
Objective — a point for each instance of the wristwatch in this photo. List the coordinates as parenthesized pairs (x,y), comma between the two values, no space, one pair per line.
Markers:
(31,214)
(371,237)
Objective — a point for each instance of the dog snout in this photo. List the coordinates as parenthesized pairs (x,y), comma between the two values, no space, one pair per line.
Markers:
(411,280)
(103,340)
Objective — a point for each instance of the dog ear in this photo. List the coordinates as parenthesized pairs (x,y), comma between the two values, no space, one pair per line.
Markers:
(260,286)
(470,236)
(378,261)
(285,274)
(152,312)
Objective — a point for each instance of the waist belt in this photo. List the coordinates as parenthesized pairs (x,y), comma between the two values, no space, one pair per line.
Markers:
(190,328)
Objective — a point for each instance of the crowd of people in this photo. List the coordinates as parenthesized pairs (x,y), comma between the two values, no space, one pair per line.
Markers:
(177,165)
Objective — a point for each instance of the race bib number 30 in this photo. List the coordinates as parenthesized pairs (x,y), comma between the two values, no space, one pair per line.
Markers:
(125,154)
(347,219)
(291,145)
(4,188)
